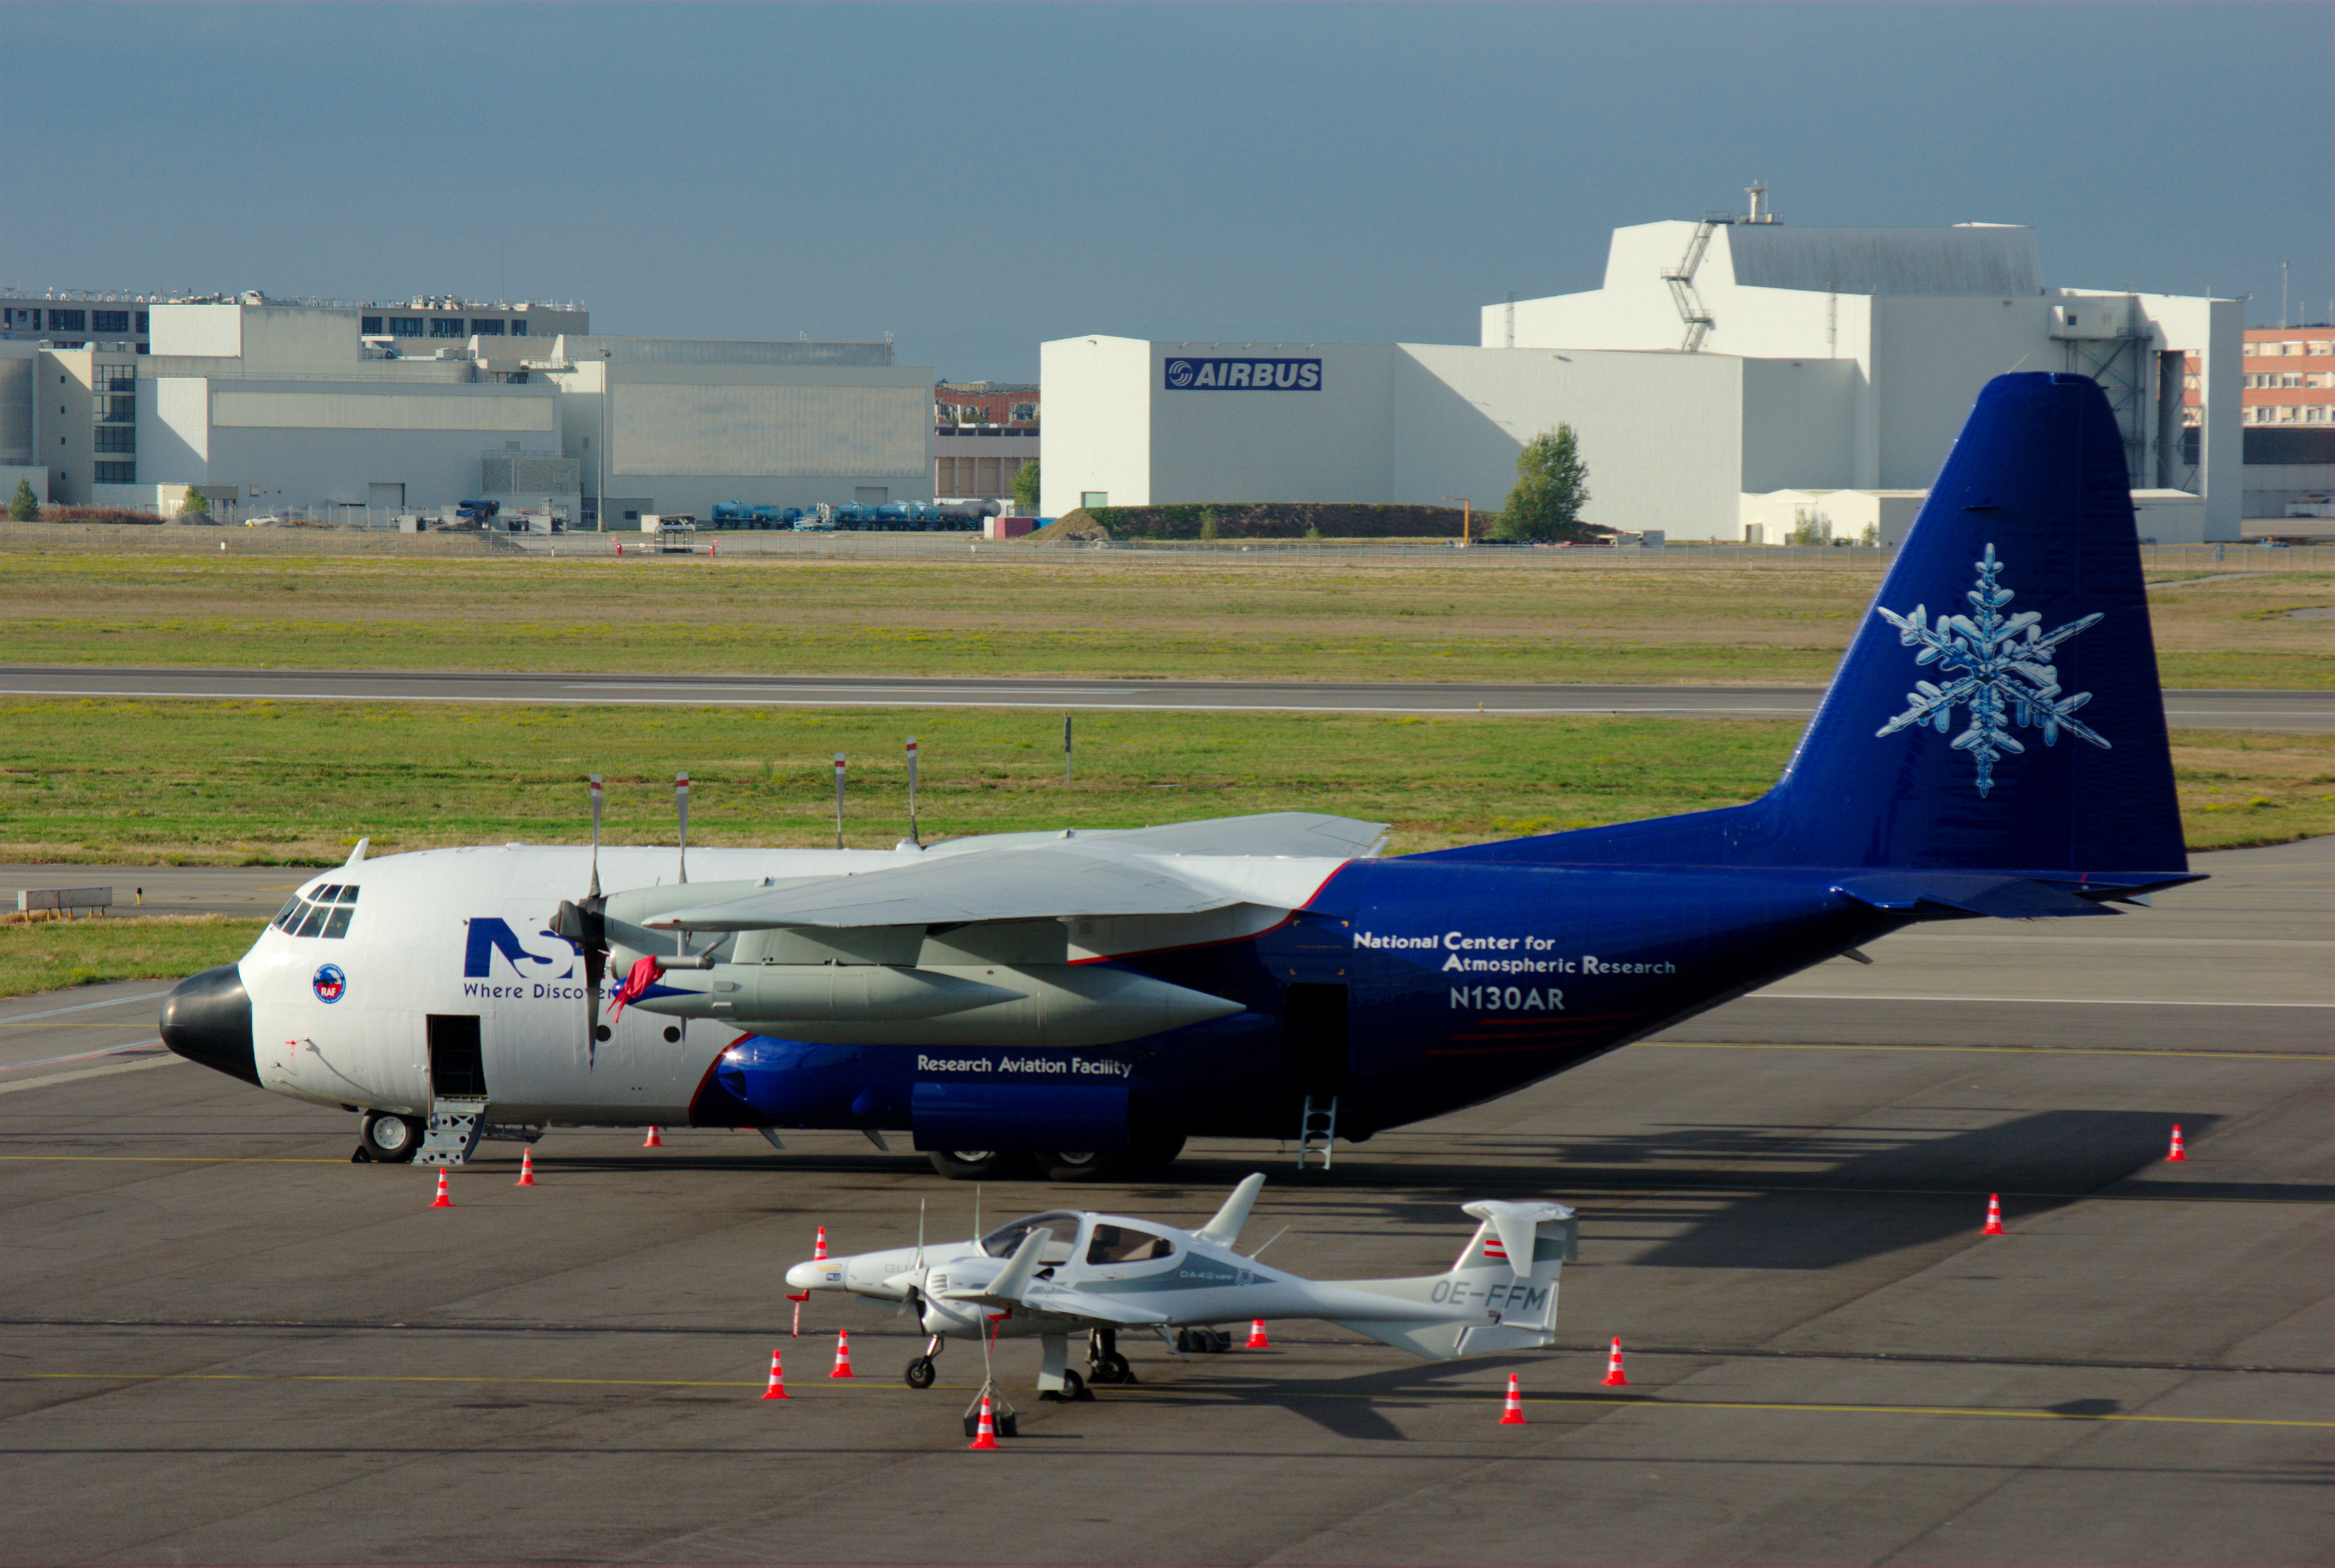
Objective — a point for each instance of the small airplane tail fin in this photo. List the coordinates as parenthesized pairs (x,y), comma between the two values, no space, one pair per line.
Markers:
(1485,1283)
(1998,708)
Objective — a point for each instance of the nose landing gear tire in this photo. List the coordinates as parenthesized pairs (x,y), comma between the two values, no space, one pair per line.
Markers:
(1075,1390)
(1112,1369)
(389,1139)
(921,1372)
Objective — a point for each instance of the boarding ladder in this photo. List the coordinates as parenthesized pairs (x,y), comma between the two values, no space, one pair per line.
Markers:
(457,1124)
(1316,1130)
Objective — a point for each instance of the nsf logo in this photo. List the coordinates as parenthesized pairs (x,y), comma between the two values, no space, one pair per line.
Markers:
(1242,374)
(331,983)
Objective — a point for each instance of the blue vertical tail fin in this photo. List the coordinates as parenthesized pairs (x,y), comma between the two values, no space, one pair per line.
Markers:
(1998,707)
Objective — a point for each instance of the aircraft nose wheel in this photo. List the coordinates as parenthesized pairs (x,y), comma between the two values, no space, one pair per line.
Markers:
(921,1372)
(389,1139)
(1112,1369)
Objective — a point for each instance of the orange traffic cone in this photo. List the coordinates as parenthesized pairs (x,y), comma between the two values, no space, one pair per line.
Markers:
(1513,1416)
(445,1199)
(1256,1340)
(984,1436)
(653,1141)
(778,1388)
(1993,1215)
(2177,1155)
(525,1168)
(1615,1377)
(842,1354)
(818,1248)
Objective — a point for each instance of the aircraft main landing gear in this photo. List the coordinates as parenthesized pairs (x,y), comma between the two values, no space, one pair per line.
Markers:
(1057,1383)
(1104,1363)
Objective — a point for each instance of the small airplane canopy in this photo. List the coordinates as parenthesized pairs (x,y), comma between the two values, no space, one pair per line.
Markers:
(1001,1242)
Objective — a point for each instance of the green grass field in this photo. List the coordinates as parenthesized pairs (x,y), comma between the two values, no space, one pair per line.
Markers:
(1010,613)
(113,781)
(53,955)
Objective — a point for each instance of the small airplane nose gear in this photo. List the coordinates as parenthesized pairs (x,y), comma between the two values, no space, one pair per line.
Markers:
(921,1372)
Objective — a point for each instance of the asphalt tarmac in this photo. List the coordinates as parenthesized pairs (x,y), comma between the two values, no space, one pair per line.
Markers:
(2299,712)
(224,1343)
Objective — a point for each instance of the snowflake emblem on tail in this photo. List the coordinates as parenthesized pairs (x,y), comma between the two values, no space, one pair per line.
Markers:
(2005,674)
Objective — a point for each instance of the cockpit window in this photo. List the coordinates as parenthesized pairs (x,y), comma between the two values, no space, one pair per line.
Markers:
(1126,1244)
(325,913)
(1064,1223)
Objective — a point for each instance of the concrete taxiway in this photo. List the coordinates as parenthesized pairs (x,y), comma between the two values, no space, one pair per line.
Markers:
(2299,712)
(225,1343)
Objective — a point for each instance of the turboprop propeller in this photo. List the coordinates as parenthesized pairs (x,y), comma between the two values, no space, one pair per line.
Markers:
(584,924)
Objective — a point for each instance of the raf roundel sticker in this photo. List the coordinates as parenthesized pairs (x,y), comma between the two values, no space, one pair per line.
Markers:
(331,984)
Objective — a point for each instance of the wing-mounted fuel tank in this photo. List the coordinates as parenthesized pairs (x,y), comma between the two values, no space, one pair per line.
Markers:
(1006,984)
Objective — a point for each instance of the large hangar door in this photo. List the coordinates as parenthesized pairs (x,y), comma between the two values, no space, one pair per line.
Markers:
(383,502)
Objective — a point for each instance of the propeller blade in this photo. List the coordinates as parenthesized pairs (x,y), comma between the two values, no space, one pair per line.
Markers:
(681,802)
(595,891)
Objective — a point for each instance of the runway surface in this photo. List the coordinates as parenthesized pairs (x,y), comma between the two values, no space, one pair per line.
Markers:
(2302,712)
(225,1343)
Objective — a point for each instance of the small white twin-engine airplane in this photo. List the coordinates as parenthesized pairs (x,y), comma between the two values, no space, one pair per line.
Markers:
(1067,1272)
(1992,745)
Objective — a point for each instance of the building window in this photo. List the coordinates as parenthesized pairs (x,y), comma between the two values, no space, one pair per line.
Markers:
(369,327)
(486,328)
(142,318)
(518,329)
(2251,350)
(446,326)
(68,321)
(405,326)
(116,378)
(117,438)
(117,408)
(109,321)
(116,474)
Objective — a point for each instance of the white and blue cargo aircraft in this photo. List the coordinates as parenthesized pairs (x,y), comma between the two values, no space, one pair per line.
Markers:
(1992,745)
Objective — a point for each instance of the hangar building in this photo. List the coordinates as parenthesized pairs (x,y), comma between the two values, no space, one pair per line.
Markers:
(276,406)
(1732,378)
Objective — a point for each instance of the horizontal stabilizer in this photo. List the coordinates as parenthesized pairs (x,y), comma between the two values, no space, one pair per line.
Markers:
(1429,1341)
(2003,897)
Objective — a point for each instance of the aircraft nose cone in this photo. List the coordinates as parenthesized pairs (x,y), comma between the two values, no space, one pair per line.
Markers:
(802,1276)
(207,1018)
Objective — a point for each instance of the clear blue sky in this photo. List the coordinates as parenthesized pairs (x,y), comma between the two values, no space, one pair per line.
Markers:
(975,179)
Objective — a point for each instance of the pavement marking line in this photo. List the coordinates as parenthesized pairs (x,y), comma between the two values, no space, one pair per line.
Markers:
(2020,1001)
(1998,1049)
(885,1386)
(90,1072)
(80,1056)
(85,1007)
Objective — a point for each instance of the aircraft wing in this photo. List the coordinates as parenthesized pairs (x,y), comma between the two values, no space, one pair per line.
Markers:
(1057,1301)
(1130,873)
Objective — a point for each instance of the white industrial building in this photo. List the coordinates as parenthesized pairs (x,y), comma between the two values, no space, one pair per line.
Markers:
(271,407)
(1732,378)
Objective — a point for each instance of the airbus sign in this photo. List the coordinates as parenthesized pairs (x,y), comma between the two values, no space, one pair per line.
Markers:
(1244,375)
